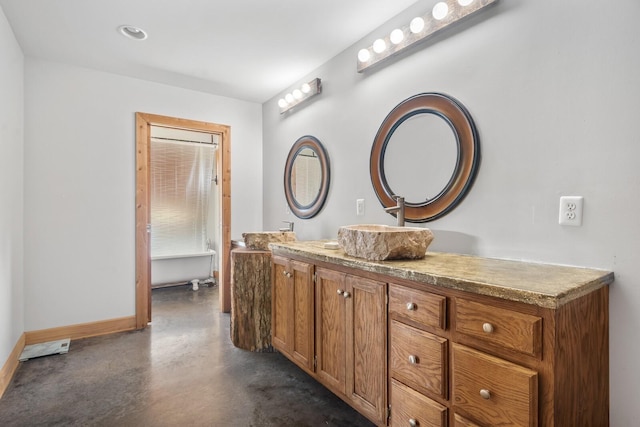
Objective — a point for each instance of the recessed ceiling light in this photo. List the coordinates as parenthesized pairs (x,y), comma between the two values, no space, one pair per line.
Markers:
(132,32)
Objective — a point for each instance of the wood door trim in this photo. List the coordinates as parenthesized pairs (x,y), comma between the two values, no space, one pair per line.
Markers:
(144,122)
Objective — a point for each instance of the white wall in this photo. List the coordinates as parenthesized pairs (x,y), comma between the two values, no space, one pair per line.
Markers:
(553,88)
(80,184)
(11,190)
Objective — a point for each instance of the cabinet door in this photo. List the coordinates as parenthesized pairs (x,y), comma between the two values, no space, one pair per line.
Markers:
(281,305)
(302,334)
(366,347)
(331,329)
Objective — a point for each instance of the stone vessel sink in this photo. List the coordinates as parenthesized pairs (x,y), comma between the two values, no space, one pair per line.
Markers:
(260,240)
(382,242)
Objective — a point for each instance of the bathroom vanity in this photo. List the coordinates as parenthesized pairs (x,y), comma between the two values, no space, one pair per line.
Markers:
(449,340)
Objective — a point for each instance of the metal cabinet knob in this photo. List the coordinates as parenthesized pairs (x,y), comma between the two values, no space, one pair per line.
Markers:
(346,294)
(487,327)
(411,306)
(485,394)
(413,359)
(284,273)
(413,423)
(340,292)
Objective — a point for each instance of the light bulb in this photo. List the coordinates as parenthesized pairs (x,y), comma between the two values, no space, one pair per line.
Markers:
(364,55)
(297,94)
(396,36)
(465,2)
(416,25)
(289,98)
(379,46)
(440,10)
(282,103)
(306,88)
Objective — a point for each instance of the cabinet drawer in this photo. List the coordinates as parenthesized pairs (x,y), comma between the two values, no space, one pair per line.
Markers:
(460,421)
(493,391)
(505,328)
(408,407)
(417,306)
(418,359)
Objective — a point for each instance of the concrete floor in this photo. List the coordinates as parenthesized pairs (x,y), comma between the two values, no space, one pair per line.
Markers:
(180,371)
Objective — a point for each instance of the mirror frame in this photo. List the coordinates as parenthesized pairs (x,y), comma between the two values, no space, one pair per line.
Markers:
(313,208)
(467,163)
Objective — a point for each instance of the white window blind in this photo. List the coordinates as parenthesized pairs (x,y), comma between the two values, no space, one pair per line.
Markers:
(181,174)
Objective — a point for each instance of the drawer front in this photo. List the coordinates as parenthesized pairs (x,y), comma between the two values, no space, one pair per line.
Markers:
(408,407)
(417,306)
(493,391)
(418,359)
(460,421)
(505,328)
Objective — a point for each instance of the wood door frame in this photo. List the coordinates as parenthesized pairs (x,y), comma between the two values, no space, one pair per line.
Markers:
(144,122)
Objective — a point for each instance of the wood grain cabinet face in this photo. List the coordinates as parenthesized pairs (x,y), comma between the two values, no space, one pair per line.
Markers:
(454,358)
(351,320)
(504,328)
(493,391)
(460,421)
(292,310)
(423,308)
(418,359)
(408,407)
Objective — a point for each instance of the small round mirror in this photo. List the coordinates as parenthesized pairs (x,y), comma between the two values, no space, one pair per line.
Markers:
(306,177)
(427,150)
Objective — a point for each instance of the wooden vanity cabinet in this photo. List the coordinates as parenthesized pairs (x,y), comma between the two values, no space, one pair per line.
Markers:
(292,310)
(351,340)
(539,357)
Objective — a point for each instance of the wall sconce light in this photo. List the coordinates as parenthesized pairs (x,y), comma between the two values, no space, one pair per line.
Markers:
(420,28)
(301,94)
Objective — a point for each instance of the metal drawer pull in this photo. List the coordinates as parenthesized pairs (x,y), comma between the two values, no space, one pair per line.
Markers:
(485,394)
(411,306)
(346,294)
(413,359)
(487,327)
(340,291)
(413,423)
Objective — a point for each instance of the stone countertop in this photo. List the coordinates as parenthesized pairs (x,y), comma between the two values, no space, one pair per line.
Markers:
(544,285)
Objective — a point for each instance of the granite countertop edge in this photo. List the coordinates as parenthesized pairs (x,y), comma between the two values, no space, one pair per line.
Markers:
(410,270)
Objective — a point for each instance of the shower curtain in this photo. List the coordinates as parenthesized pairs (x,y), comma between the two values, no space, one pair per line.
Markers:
(181,175)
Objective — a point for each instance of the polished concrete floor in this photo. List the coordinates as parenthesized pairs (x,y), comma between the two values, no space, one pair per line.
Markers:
(180,371)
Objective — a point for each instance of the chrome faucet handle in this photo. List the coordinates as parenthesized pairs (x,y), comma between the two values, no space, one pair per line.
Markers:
(290,226)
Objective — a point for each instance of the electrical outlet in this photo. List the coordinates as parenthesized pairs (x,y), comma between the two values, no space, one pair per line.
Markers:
(571,210)
(360,207)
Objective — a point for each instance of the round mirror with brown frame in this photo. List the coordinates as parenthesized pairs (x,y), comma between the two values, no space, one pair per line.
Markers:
(427,150)
(306,177)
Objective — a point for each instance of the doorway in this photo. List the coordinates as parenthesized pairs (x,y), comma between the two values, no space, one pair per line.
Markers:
(144,122)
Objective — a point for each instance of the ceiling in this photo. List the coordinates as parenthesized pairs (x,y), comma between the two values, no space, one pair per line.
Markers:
(244,49)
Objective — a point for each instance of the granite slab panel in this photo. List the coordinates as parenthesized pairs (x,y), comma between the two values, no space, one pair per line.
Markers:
(544,285)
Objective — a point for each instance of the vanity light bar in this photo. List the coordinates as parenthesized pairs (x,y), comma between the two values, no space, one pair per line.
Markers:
(442,15)
(301,94)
